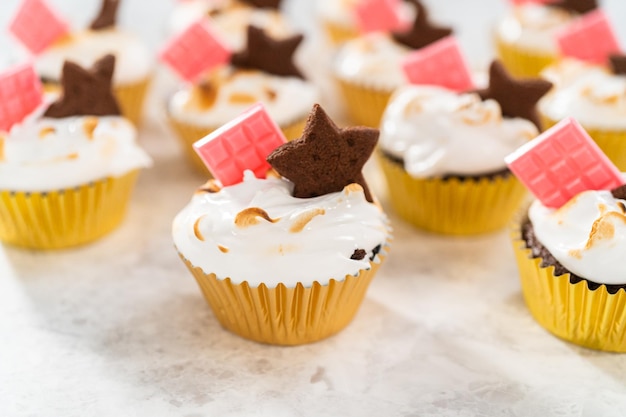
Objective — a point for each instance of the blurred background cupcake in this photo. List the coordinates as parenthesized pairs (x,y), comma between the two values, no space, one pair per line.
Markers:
(590,85)
(68,168)
(442,152)
(263,72)
(525,39)
(133,60)
(369,68)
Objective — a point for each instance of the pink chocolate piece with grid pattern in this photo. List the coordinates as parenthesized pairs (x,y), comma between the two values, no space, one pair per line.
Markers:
(440,63)
(241,144)
(195,51)
(37,25)
(589,38)
(379,15)
(20,94)
(561,163)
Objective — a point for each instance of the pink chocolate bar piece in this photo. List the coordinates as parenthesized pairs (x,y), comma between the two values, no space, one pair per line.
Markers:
(37,25)
(440,63)
(195,51)
(20,94)
(378,15)
(590,38)
(241,144)
(562,162)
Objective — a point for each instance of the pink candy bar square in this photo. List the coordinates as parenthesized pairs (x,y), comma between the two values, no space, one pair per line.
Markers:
(195,51)
(379,15)
(561,162)
(37,26)
(20,94)
(440,63)
(241,144)
(589,38)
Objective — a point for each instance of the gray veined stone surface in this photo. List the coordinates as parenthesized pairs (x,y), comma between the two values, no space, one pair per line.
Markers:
(119,327)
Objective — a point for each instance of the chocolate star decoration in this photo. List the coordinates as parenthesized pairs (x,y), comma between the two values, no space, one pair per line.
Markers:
(577,6)
(266,4)
(274,56)
(107,16)
(517,98)
(326,158)
(86,92)
(422,32)
(618,64)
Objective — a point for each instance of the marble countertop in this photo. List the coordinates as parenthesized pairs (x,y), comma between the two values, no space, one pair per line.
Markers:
(120,328)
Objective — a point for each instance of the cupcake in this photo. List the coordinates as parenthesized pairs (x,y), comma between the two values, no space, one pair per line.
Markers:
(593,94)
(68,169)
(231,18)
(133,62)
(263,72)
(442,152)
(340,22)
(286,259)
(569,251)
(369,68)
(525,39)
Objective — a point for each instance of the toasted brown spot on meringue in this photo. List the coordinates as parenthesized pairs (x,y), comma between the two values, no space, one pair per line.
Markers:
(413,107)
(352,188)
(271,94)
(303,219)
(622,206)
(249,217)
(271,173)
(196,228)
(242,98)
(603,228)
(46,131)
(223,249)
(73,155)
(575,253)
(482,117)
(203,95)
(211,186)
(89,125)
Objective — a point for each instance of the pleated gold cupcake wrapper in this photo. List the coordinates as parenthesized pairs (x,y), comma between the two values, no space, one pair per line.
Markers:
(129,96)
(188,134)
(522,63)
(282,315)
(365,105)
(338,34)
(591,318)
(612,142)
(452,206)
(69,217)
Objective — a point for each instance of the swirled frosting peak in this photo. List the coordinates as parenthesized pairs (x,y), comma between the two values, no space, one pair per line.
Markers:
(438,132)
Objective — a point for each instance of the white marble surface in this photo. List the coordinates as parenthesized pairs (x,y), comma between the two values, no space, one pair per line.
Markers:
(119,327)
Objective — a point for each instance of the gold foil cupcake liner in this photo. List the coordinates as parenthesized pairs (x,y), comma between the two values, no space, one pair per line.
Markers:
(452,206)
(188,133)
(594,319)
(520,62)
(63,218)
(338,34)
(284,315)
(365,105)
(129,96)
(612,142)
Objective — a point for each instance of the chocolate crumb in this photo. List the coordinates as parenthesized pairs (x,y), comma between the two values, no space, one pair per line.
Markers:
(358,254)
(618,64)
(619,192)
